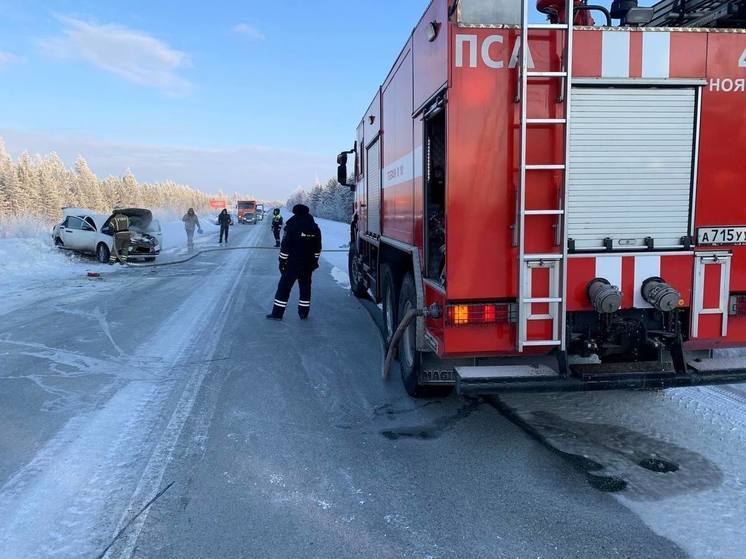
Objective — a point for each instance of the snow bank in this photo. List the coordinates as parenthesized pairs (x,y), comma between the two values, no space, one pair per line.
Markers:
(30,264)
(27,253)
(336,236)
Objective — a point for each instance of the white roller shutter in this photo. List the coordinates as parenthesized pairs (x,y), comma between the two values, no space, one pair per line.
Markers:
(374,188)
(630,173)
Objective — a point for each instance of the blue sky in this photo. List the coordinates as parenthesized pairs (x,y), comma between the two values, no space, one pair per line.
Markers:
(250,96)
(270,91)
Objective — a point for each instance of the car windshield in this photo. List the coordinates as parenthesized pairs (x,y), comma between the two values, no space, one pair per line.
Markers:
(246,205)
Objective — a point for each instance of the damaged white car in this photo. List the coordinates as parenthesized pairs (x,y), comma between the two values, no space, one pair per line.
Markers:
(89,232)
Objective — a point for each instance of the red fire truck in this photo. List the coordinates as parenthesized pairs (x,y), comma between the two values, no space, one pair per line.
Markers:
(550,207)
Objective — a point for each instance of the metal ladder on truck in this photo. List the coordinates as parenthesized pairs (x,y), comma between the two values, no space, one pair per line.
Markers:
(555,260)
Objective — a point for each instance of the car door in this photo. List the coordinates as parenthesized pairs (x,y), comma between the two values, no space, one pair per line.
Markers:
(88,235)
(72,232)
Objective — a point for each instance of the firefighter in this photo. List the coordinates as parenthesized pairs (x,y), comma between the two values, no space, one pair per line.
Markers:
(120,225)
(276,225)
(225,221)
(299,257)
(191,222)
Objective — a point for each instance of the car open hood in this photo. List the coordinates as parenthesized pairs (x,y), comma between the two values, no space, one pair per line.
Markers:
(140,219)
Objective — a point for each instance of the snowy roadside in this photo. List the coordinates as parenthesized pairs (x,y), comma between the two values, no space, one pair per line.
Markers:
(31,267)
(336,236)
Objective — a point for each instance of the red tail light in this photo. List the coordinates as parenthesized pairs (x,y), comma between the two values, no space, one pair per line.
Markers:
(737,304)
(462,315)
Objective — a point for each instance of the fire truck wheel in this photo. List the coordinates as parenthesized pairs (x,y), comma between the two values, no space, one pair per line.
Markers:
(410,360)
(357,281)
(389,304)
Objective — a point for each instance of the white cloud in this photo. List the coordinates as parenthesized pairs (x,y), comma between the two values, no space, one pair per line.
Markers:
(249,31)
(132,55)
(269,173)
(8,58)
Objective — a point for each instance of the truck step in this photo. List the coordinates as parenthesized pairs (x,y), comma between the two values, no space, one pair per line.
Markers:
(489,379)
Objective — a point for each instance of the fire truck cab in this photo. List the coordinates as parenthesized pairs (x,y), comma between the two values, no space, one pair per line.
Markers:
(559,206)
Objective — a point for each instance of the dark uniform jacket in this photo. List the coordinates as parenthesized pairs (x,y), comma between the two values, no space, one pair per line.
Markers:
(277,221)
(301,244)
(119,223)
(224,219)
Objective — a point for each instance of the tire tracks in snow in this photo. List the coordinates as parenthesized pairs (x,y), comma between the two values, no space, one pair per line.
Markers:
(150,483)
(74,490)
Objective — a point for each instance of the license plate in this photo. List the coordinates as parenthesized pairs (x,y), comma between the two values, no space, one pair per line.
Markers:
(721,236)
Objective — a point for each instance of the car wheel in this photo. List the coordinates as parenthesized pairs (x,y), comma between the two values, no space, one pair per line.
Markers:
(102,253)
(410,360)
(58,242)
(357,279)
(389,304)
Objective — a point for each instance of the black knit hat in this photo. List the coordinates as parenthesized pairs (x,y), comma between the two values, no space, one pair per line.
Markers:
(300,209)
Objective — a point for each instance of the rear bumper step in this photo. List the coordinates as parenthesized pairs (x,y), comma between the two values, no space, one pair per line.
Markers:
(503,379)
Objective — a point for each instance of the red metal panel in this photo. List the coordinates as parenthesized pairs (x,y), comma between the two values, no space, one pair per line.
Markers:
(398,155)
(436,327)
(679,272)
(419,187)
(483,159)
(579,272)
(431,58)
(635,55)
(712,286)
(586,60)
(688,55)
(628,282)
(488,339)
(372,119)
(721,169)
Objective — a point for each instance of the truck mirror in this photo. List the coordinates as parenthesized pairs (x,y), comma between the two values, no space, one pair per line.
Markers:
(342,174)
(342,159)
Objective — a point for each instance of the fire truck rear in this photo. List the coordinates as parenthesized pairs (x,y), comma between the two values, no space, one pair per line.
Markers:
(557,207)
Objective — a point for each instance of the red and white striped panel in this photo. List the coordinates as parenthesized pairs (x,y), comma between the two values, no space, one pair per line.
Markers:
(627,272)
(640,54)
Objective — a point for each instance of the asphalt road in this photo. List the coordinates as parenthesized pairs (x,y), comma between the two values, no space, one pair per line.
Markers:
(159,414)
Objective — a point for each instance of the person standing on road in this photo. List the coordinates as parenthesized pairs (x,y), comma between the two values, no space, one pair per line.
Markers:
(276,225)
(225,221)
(120,227)
(299,257)
(191,222)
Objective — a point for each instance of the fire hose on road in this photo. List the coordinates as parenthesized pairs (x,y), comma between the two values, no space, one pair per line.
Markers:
(202,252)
(433,311)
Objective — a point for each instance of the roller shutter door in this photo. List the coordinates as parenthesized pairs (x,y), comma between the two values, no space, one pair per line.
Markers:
(374,188)
(630,173)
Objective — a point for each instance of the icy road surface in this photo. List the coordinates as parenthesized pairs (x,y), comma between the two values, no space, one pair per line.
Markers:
(156,413)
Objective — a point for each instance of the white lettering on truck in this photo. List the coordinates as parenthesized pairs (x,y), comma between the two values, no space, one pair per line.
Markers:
(742,60)
(728,85)
(466,46)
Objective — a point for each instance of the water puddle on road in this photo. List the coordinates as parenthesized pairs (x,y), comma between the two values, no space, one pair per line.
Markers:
(616,459)
(432,430)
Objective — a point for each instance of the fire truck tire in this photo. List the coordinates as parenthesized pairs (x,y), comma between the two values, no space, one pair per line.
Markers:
(410,360)
(357,281)
(389,304)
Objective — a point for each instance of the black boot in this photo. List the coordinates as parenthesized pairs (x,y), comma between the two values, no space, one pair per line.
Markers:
(277,312)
